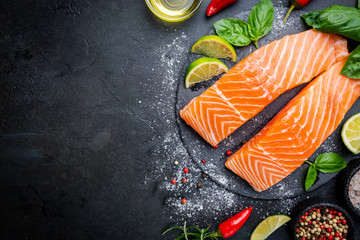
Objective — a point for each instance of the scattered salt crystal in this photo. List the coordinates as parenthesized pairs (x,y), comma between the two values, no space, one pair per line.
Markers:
(354,190)
(211,199)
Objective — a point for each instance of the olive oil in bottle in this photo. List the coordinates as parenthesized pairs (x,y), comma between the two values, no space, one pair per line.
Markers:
(174,8)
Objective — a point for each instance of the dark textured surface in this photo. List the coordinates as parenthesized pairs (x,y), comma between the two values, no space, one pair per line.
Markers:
(74,140)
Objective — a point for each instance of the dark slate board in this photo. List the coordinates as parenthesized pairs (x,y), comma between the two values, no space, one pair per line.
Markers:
(198,149)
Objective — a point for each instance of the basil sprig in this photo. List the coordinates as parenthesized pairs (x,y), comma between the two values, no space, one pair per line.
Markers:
(260,20)
(325,163)
(241,33)
(310,177)
(235,31)
(341,20)
(344,21)
(351,68)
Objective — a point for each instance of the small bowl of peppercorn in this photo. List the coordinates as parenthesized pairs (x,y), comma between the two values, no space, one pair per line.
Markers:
(322,221)
(351,179)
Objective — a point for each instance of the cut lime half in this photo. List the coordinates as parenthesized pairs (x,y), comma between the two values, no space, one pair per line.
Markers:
(203,69)
(214,46)
(351,133)
(268,226)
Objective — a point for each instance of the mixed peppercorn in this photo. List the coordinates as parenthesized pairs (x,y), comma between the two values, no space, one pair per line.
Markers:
(322,223)
(186,170)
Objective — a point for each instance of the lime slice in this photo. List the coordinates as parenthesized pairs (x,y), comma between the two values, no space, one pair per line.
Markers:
(203,69)
(351,133)
(214,46)
(268,226)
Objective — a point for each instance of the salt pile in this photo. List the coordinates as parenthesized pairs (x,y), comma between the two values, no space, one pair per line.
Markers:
(354,190)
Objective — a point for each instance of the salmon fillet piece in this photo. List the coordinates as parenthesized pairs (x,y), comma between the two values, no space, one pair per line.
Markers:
(295,133)
(259,79)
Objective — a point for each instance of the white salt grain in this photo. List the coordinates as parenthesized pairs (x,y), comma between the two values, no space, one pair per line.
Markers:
(354,190)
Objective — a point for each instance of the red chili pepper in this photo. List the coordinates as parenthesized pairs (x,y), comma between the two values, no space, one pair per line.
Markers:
(296,4)
(218,5)
(232,225)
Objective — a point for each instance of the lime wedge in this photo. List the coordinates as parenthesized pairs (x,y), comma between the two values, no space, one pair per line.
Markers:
(351,133)
(203,69)
(268,226)
(214,46)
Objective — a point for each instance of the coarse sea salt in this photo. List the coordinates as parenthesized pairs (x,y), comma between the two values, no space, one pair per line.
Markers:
(354,190)
(212,200)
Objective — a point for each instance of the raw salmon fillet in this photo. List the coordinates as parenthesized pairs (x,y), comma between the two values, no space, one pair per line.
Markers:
(259,79)
(294,134)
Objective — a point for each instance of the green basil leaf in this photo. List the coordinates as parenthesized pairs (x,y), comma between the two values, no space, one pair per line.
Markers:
(310,177)
(341,20)
(261,19)
(235,31)
(329,162)
(311,16)
(351,68)
(359,4)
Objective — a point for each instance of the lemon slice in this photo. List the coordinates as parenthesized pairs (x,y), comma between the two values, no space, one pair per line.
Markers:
(203,69)
(268,226)
(214,46)
(351,133)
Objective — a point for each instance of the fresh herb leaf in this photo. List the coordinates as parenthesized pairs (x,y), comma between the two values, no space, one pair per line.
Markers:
(240,33)
(359,4)
(325,163)
(310,177)
(171,229)
(202,235)
(261,19)
(311,16)
(351,68)
(235,31)
(329,162)
(341,20)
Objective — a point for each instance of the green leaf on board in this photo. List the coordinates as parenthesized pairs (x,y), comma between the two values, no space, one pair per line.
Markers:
(351,68)
(261,19)
(310,177)
(235,31)
(341,20)
(240,33)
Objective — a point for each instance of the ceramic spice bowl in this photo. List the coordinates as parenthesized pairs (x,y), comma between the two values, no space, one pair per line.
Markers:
(316,220)
(351,185)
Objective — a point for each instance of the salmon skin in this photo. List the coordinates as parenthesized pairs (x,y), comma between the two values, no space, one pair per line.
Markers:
(295,133)
(259,79)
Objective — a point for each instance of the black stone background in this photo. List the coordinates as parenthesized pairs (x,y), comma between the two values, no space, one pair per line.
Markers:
(73,139)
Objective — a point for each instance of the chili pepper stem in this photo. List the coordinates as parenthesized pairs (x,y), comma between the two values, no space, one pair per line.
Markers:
(218,234)
(288,13)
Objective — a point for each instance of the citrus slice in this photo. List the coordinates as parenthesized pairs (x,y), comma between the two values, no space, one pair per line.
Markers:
(203,69)
(214,46)
(351,133)
(268,226)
